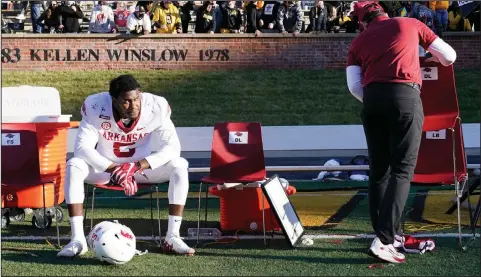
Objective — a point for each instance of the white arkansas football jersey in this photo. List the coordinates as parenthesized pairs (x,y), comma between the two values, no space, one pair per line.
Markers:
(101,140)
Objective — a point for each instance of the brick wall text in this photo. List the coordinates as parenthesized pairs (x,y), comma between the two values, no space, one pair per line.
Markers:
(202,52)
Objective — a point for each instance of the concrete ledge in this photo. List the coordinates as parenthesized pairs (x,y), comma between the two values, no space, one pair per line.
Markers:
(299,141)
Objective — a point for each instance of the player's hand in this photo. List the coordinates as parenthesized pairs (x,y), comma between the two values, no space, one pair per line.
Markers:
(432,59)
(130,186)
(257,33)
(270,26)
(122,172)
(296,34)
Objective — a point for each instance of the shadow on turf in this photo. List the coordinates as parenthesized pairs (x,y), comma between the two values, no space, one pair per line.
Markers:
(289,258)
(140,227)
(45,257)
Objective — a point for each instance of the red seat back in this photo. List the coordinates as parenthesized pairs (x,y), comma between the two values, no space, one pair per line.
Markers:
(435,162)
(237,152)
(438,93)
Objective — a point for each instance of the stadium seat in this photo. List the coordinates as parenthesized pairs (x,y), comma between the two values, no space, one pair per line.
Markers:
(441,158)
(237,156)
(118,188)
(438,93)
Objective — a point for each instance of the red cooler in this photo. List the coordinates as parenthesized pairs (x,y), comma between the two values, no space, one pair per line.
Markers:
(241,209)
(34,153)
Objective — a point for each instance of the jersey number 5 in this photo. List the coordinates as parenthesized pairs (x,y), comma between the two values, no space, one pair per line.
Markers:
(121,151)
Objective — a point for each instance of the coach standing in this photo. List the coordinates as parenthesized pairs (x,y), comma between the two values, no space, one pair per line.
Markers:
(383,72)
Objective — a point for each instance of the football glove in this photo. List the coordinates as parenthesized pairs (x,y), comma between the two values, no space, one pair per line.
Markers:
(121,172)
(130,186)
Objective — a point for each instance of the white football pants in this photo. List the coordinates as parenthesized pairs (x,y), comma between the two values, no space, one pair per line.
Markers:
(176,172)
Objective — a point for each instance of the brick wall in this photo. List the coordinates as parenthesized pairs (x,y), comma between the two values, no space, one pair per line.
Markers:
(70,52)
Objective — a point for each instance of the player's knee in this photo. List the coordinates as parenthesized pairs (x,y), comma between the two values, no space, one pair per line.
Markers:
(180,163)
(78,163)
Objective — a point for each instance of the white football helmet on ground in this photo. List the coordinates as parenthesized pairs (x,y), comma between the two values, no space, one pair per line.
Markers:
(112,242)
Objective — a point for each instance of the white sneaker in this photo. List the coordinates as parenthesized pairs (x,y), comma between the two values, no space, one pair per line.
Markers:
(176,245)
(21,17)
(386,252)
(398,241)
(73,249)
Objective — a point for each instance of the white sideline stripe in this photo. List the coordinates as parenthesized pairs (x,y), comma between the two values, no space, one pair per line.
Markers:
(252,237)
(301,195)
(312,168)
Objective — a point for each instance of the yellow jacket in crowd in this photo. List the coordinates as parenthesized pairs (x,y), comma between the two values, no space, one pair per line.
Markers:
(259,4)
(438,5)
(169,18)
(453,20)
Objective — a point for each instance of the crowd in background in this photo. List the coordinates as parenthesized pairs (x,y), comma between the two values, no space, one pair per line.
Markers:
(171,17)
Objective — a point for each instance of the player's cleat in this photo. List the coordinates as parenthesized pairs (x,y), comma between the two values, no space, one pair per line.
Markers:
(386,252)
(175,245)
(73,249)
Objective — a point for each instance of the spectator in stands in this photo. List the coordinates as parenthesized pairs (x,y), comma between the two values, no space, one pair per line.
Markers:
(102,19)
(331,23)
(387,6)
(68,17)
(474,18)
(21,15)
(185,8)
(205,21)
(401,9)
(7,5)
(457,22)
(167,18)
(290,18)
(441,10)
(218,16)
(35,13)
(252,18)
(422,13)
(47,19)
(139,22)
(268,17)
(148,6)
(346,23)
(317,18)
(121,14)
(231,18)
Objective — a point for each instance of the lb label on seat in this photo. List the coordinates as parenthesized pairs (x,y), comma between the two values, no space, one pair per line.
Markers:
(10,139)
(441,134)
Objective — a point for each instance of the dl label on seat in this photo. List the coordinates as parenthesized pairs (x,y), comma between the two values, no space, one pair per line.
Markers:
(429,73)
(238,137)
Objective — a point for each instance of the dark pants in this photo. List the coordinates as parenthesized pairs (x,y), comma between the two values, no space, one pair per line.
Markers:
(392,117)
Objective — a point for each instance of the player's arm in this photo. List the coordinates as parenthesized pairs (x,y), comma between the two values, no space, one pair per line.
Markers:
(168,141)
(87,139)
(441,51)
(354,74)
